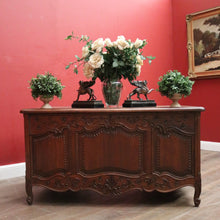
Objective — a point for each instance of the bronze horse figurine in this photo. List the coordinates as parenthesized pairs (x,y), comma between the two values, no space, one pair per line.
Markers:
(141,89)
(85,89)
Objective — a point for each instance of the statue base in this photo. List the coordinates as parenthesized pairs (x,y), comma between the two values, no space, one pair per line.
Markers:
(88,104)
(139,103)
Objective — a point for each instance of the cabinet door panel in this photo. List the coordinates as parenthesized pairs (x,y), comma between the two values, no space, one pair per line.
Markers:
(173,154)
(106,150)
(49,154)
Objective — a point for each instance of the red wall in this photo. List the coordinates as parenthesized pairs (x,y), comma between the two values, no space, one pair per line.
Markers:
(205,92)
(32,41)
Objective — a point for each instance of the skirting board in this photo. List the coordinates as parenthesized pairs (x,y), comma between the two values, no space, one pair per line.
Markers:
(12,170)
(17,170)
(208,145)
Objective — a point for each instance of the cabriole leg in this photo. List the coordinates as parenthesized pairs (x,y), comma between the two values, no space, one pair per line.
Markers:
(29,198)
(197,192)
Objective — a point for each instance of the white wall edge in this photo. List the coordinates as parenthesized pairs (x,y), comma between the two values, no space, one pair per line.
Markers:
(208,145)
(12,170)
(18,169)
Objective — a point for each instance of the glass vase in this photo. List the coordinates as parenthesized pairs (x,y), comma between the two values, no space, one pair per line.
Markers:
(111,90)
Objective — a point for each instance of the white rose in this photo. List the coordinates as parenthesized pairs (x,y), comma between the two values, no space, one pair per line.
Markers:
(98,45)
(88,71)
(115,44)
(85,51)
(122,44)
(138,43)
(108,42)
(138,68)
(121,37)
(96,60)
(139,60)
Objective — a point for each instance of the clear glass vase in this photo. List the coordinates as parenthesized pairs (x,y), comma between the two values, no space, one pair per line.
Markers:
(111,90)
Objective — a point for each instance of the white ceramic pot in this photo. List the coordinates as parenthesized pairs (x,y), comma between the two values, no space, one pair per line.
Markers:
(175,98)
(46,101)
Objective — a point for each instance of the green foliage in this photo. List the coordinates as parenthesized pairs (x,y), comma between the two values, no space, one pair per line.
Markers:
(150,58)
(174,82)
(118,64)
(46,85)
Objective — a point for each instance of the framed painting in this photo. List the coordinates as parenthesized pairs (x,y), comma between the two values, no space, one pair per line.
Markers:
(203,43)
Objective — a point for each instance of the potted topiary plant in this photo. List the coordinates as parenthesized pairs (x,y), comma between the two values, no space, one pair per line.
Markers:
(174,85)
(46,86)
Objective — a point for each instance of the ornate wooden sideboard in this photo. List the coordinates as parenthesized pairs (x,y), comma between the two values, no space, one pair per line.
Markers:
(112,151)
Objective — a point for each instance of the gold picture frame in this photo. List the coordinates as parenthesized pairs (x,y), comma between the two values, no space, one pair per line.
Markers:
(203,43)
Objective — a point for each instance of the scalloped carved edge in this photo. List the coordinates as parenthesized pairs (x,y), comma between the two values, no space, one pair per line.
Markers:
(113,184)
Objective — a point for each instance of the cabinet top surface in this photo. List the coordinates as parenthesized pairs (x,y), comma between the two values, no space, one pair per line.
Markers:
(111,110)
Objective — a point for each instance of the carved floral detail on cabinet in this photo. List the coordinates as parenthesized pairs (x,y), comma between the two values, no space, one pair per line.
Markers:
(112,184)
(164,122)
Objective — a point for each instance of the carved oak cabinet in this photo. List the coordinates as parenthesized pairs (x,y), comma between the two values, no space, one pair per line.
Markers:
(112,151)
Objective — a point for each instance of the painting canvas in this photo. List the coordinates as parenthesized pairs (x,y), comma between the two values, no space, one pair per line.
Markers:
(203,31)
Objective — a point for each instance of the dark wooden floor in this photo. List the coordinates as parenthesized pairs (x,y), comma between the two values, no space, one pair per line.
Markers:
(133,205)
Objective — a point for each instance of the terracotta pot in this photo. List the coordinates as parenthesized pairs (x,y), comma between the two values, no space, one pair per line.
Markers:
(175,98)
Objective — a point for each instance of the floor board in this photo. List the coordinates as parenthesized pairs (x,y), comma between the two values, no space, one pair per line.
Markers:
(134,205)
